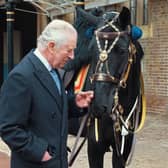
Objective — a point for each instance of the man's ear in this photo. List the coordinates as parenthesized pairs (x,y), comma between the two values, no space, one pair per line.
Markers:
(51,46)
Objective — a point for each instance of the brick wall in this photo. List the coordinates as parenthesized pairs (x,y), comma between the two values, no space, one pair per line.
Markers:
(155,63)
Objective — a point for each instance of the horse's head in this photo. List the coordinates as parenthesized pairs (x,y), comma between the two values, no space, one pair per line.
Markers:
(111,59)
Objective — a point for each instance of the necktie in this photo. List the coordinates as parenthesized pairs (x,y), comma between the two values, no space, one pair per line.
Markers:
(56,79)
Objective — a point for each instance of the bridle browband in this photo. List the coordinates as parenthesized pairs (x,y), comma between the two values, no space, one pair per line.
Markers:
(111,35)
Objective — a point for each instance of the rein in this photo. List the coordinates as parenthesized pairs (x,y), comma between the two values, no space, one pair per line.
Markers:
(76,149)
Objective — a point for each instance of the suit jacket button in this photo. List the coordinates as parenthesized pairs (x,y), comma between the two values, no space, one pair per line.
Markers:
(53,115)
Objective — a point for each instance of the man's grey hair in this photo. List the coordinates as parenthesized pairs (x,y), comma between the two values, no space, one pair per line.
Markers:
(57,31)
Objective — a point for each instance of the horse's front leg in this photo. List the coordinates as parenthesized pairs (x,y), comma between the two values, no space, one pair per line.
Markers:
(119,160)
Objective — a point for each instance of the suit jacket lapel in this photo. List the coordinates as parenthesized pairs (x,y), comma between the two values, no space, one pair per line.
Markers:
(42,74)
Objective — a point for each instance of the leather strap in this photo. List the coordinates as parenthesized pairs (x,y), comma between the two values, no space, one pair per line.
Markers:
(110,35)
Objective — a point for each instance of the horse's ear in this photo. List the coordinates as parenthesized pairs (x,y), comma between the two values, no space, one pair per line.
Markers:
(125,17)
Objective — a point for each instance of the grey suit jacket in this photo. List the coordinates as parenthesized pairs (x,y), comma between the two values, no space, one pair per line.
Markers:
(33,116)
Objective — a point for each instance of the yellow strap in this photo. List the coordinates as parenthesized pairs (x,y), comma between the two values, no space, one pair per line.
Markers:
(79,83)
(143,105)
(96,130)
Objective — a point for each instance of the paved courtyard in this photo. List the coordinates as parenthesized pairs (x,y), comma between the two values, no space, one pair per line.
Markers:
(151,150)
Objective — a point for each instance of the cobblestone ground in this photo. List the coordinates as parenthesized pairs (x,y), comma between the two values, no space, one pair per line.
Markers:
(151,150)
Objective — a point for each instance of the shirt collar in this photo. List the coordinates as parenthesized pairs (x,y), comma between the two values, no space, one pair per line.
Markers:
(42,59)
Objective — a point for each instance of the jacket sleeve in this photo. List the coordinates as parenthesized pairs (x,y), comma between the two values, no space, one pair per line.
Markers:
(15,107)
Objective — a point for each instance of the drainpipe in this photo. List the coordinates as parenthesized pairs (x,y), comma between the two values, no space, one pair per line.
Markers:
(10,23)
(145,12)
(10,12)
(133,8)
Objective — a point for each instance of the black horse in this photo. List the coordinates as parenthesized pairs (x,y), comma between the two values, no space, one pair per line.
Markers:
(114,59)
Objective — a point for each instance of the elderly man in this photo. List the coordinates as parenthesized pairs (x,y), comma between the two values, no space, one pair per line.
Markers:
(34,105)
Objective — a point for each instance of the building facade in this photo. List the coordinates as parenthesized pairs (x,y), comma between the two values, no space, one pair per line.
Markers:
(155,64)
(150,15)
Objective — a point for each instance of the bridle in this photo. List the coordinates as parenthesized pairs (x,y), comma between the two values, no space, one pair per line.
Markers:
(98,75)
